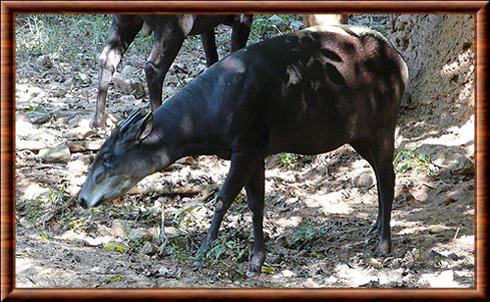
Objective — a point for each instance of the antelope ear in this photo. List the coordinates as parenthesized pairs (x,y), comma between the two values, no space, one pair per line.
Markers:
(145,127)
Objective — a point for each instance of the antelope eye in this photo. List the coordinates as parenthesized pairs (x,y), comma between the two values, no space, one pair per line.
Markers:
(107,159)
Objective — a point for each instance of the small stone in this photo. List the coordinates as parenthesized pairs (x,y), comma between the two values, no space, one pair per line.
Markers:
(30,145)
(163,271)
(364,180)
(420,193)
(127,99)
(178,68)
(138,90)
(396,263)
(38,117)
(139,235)
(296,25)
(44,61)
(58,154)
(309,283)
(117,228)
(435,229)
(128,71)
(83,77)
(81,132)
(374,263)
(198,70)
(148,249)
(81,146)
(287,273)
(454,257)
(129,86)
(464,166)
(26,223)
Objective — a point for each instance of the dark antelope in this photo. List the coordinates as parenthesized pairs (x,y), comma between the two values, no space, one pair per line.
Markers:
(169,34)
(307,92)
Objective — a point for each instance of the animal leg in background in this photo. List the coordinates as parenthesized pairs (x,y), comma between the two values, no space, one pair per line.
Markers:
(241,30)
(166,45)
(123,31)
(209,45)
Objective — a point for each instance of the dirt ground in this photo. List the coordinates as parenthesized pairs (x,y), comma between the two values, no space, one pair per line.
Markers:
(318,208)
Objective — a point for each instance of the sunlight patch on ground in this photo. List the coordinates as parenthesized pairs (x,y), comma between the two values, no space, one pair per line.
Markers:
(292,221)
(32,191)
(71,235)
(444,279)
(358,276)
(436,228)
(331,203)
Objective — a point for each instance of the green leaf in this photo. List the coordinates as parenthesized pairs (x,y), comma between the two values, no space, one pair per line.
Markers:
(44,237)
(116,278)
(114,247)
(267,269)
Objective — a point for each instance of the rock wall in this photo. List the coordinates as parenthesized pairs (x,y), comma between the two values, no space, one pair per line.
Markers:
(439,50)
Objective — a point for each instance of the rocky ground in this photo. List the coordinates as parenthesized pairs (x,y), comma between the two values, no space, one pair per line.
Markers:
(318,208)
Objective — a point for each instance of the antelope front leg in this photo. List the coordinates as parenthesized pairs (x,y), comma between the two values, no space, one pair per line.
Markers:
(242,167)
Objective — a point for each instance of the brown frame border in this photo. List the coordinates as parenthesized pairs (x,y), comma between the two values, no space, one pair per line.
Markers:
(7,247)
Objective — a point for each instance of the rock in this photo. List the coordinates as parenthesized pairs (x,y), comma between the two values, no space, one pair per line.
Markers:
(128,71)
(26,223)
(118,228)
(30,145)
(464,166)
(81,132)
(139,235)
(127,99)
(83,77)
(148,249)
(129,86)
(420,193)
(287,273)
(163,271)
(364,180)
(44,61)
(374,263)
(81,146)
(435,229)
(138,90)
(58,154)
(198,69)
(179,68)
(296,25)
(310,283)
(38,117)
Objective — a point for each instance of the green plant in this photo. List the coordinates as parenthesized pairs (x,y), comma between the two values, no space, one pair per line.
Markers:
(178,253)
(60,36)
(417,162)
(119,248)
(114,279)
(288,159)
(231,246)
(265,26)
(304,235)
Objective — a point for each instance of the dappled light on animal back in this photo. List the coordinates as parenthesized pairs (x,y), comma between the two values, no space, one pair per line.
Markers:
(233,64)
(186,125)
